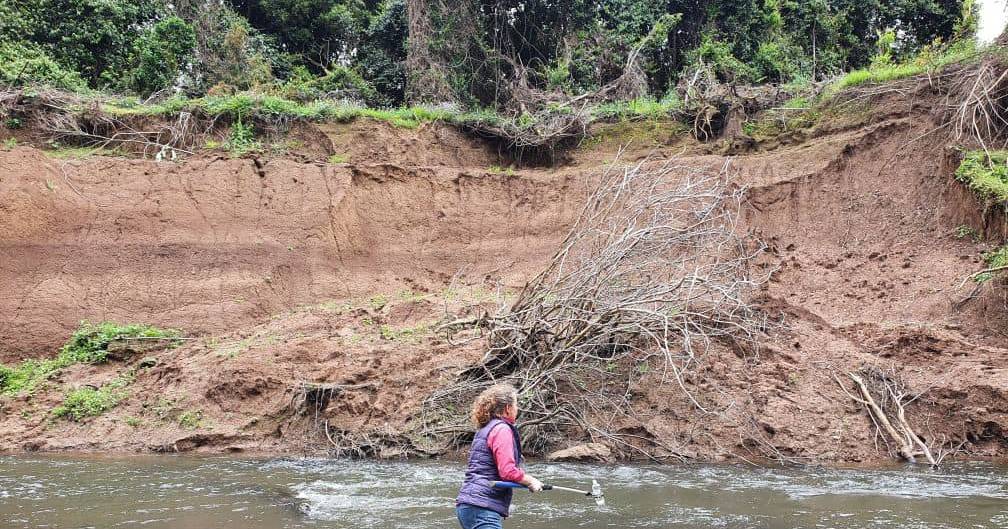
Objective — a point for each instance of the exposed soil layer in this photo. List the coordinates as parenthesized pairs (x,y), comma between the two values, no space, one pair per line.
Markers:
(289,271)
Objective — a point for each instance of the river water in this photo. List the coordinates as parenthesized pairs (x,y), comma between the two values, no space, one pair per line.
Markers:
(225,492)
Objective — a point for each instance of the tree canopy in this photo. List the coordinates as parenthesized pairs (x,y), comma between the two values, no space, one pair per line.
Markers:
(361,48)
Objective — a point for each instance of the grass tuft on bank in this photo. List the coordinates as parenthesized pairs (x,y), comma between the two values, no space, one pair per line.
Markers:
(986,173)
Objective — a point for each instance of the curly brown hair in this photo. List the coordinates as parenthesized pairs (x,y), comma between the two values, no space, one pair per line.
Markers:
(492,402)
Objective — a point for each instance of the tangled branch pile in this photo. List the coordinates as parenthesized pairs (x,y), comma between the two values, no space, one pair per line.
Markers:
(73,119)
(651,274)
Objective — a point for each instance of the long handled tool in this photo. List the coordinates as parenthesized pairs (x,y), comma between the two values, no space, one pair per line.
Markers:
(595,492)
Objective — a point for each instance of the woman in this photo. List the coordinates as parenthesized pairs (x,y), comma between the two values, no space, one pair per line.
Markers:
(495,455)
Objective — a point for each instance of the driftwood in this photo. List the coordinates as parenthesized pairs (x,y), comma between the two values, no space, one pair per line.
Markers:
(886,396)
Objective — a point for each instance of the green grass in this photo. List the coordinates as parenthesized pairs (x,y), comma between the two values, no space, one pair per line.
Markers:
(378,302)
(10,143)
(640,108)
(338,158)
(879,75)
(85,402)
(498,170)
(928,60)
(986,174)
(408,334)
(68,153)
(87,345)
(265,106)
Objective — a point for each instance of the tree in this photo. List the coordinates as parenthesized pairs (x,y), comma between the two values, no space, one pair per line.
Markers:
(164,51)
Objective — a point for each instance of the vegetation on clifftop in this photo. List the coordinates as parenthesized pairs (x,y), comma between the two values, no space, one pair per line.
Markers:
(465,53)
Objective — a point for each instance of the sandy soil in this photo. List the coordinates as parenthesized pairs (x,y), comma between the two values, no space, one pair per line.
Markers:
(286,269)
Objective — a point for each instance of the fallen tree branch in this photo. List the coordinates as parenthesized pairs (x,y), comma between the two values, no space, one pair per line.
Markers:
(892,394)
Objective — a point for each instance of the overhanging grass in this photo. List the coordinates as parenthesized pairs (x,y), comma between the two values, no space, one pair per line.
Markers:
(879,75)
(88,344)
(268,107)
(927,61)
(985,173)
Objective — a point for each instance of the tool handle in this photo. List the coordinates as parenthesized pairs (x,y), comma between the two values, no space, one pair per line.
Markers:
(513,485)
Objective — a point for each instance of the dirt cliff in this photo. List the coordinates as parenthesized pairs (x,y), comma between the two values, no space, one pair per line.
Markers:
(287,269)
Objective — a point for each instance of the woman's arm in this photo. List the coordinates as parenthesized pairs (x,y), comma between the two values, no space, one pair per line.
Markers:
(501,442)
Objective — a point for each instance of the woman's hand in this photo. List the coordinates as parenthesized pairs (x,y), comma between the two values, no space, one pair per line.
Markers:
(533,484)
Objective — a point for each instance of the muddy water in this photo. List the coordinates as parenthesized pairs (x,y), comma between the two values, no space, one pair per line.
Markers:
(202,493)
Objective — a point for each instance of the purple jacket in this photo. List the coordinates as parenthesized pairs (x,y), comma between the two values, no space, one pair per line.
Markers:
(482,469)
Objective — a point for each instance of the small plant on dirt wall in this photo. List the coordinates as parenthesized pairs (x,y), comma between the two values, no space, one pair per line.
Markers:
(85,402)
(191,419)
(997,261)
(89,343)
(241,139)
(985,173)
(967,232)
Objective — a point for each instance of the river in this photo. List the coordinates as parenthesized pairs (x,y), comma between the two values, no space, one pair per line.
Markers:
(182,492)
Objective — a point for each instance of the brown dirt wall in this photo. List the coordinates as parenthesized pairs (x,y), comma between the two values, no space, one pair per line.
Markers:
(290,270)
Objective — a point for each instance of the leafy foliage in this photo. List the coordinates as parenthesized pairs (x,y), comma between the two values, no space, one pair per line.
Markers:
(994,259)
(22,63)
(88,344)
(165,51)
(305,49)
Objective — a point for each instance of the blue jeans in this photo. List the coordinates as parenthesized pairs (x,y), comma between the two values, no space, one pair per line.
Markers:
(473,517)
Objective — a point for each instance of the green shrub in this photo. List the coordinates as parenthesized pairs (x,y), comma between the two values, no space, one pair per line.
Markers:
(382,53)
(717,55)
(87,402)
(778,60)
(883,49)
(241,139)
(341,82)
(24,64)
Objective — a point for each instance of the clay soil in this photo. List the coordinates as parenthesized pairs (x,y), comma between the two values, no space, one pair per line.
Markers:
(286,269)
